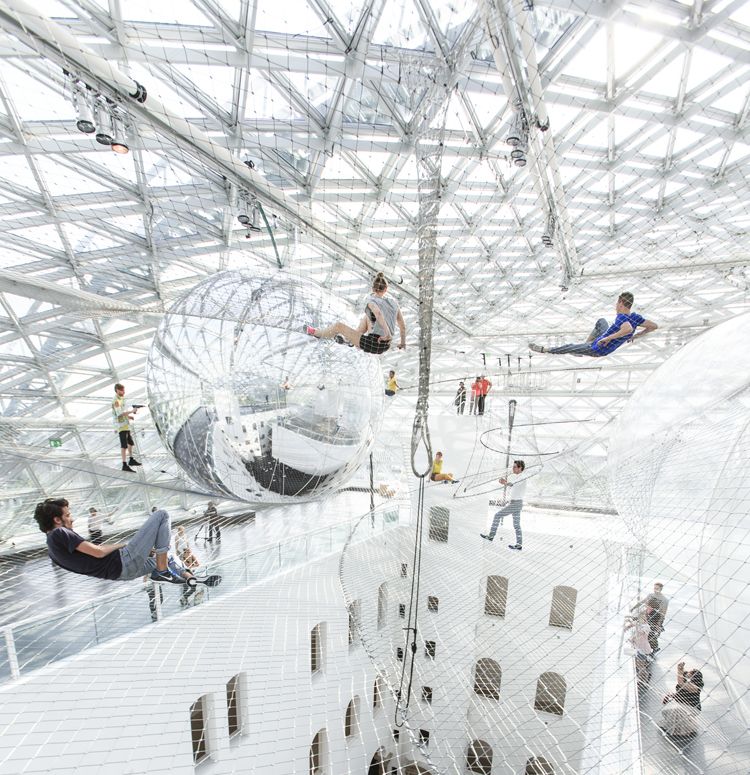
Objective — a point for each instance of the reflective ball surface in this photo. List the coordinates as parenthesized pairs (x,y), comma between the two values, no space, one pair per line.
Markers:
(250,405)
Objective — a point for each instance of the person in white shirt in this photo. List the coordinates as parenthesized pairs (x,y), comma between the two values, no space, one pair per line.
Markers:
(517,488)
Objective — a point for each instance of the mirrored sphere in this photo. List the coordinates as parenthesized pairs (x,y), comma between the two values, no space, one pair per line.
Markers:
(250,405)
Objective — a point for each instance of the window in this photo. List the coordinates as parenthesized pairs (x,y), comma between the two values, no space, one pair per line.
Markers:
(439,519)
(317,639)
(563,607)
(427,694)
(538,765)
(378,692)
(318,753)
(198,729)
(351,719)
(382,605)
(550,693)
(353,610)
(496,596)
(402,610)
(379,762)
(432,604)
(429,649)
(479,757)
(400,654)
(404,570)
(235,690)
(487,679)
(424,737)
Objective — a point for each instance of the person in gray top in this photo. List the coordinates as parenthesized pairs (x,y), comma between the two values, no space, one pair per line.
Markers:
(375,332)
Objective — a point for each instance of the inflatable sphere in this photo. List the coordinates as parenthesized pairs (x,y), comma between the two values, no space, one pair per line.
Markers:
(679,467)
(250,406)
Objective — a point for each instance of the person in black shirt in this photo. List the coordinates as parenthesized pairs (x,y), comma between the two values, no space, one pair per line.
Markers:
(681,709)
(105,561)
(212,515)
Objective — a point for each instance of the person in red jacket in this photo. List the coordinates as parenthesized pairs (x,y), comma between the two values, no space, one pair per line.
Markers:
(474,402)
(484,387)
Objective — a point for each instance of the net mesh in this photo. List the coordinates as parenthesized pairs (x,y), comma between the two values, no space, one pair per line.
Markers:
(511,167)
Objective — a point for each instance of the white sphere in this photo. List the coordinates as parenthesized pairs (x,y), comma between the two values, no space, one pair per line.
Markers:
(249,404)
(679,473)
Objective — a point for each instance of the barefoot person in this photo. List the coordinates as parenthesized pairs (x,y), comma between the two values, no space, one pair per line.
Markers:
(375,332)
(605,339)
(437,474)
(120,562)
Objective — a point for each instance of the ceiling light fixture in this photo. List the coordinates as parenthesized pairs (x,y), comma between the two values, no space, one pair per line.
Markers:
(84,112)
(104,131)
(119,133)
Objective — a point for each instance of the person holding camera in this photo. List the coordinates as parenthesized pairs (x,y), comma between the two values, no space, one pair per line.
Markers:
(122,417)
(679,716)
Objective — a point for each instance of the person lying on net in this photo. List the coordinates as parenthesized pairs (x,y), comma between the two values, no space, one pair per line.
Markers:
(374,334)
(117,562)
(605,339)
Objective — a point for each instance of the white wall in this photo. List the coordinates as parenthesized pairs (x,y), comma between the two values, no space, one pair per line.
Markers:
(522,643)
(124,707)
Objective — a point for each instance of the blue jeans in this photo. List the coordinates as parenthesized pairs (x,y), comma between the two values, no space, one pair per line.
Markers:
(514,508)
(584,348)
(154,534)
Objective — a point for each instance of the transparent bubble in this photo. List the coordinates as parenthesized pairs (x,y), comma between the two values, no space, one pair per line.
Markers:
(679,473)
(249,404)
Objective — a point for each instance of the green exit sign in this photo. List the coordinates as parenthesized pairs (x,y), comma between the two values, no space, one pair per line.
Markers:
(55,442)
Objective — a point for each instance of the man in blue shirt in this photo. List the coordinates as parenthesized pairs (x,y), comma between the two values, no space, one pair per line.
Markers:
(605,339)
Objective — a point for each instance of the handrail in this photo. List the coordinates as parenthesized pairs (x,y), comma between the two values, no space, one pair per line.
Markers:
(92,606)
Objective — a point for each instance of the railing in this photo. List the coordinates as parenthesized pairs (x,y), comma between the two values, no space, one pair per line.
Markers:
(41,640)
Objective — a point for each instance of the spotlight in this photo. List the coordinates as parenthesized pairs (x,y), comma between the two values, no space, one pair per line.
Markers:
(85,122)
(119,133)
(104,134)
(518,132)
(518,155)
(244,219)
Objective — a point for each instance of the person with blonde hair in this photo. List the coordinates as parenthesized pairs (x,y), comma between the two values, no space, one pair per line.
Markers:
(437,474)
(183,550)
(375,332)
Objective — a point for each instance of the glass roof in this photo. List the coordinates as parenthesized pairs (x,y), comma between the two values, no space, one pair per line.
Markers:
(643,167)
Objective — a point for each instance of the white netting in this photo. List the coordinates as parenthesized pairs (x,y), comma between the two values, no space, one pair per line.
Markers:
(512,167)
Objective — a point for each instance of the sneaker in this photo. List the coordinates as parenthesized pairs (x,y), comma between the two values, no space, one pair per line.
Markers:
(164,577)
(537,348)
(134,462)
(126,467)
(340,339)
(486,537)
(309,330)
(515,547)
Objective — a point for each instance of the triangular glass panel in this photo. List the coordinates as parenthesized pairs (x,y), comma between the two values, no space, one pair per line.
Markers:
(401,26)
(273,16)
(164,13)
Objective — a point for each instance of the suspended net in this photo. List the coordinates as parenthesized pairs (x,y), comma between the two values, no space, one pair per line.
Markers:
(184,185)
